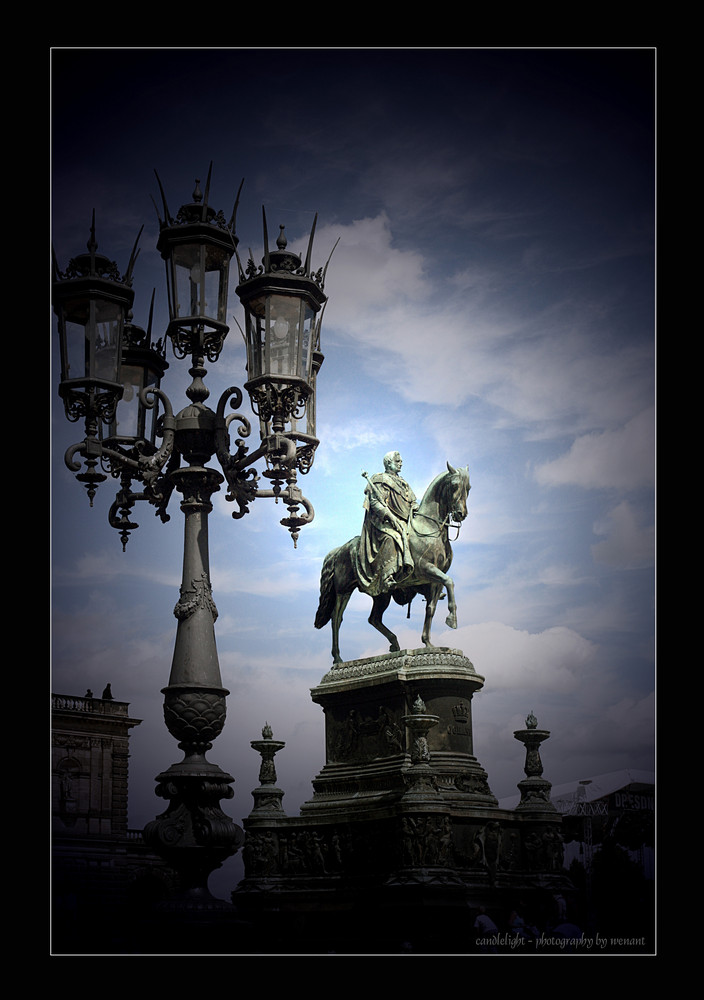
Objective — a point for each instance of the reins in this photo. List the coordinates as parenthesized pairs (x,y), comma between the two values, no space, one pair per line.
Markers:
(445,523)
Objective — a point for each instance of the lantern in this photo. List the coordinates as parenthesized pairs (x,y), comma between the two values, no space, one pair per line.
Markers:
(91,301)
(197,247)
(282,302)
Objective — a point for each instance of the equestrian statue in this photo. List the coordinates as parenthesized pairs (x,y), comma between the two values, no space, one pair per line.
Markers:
(403,550)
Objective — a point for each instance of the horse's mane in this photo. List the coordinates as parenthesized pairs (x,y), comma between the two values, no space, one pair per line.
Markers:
(432,490)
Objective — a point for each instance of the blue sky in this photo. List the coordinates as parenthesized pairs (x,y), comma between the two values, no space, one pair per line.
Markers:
(491,304)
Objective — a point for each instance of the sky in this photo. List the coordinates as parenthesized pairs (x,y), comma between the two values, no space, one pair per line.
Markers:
(491,304)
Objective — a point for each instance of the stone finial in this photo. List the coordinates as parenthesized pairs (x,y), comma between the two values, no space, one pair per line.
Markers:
(418,706)
(267,798)
(535,790)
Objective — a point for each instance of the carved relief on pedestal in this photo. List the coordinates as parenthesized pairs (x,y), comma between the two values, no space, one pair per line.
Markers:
(543,849)
(510,852)
(475,784)
(287,852)
(355,738)
(457,727)
(426,841)
(482,847)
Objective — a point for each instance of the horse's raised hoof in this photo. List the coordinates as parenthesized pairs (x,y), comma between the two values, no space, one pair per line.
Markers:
(451,621)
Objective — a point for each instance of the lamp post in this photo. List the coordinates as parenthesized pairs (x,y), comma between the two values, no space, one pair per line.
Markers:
(108,363)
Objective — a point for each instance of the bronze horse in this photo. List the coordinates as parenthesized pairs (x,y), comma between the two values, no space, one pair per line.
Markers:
(444,502)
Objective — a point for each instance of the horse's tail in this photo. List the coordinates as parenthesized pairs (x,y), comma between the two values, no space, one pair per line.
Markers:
(327,590)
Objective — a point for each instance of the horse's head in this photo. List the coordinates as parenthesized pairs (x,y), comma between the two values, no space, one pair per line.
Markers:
(458,488)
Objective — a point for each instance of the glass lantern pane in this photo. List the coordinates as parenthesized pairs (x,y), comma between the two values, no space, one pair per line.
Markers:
(150,418)
(307,342)
(256,314)
(76,360)
(127,423)
(107,319)
(216,275)
(187,278)
(284,329)
(199,282)
(210,297)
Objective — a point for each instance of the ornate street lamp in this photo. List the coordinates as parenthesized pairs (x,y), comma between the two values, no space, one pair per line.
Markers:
(283,307)
(283,303)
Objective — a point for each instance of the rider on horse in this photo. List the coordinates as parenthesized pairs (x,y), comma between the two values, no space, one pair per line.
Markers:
(384,557)
(404,550)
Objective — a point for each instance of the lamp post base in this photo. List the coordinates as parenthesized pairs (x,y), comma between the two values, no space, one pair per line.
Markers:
(194,835)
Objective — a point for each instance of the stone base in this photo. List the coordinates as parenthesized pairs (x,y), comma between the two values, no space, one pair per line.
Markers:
(403,837)
(368,745)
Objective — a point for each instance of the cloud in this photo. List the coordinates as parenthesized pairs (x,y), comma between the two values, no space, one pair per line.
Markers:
(623,728)
(276,582)
(628,544)
(111,565)
(620,459)
(548,365)
(509,658)
(370,272)
(346,437)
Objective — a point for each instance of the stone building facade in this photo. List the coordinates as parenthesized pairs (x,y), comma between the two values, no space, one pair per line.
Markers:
(101,870)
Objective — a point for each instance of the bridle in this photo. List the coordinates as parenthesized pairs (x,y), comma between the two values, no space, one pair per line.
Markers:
(446,522)
(431,534)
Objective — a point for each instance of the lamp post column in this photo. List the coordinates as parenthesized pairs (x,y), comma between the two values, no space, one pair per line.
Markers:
(194,834)
(195,659)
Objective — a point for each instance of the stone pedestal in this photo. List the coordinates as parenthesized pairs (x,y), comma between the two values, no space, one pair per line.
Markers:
(369,745)
(402,837)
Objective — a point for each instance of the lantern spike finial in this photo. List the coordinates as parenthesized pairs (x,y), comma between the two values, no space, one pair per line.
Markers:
(310,245)
(266,240)
(156,208)
(92,244)
(133,259)
(325,269)
(167,214)
(233,217)
(151,317)
(207,192)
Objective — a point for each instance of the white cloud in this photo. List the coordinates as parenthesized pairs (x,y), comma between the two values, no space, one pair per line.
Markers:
(346,437)
(559,576)
(554,659)
(369,272)
(611,459)
(478,333)
(627,542)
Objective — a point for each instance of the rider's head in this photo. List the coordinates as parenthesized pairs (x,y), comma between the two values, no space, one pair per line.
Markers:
(392,461)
